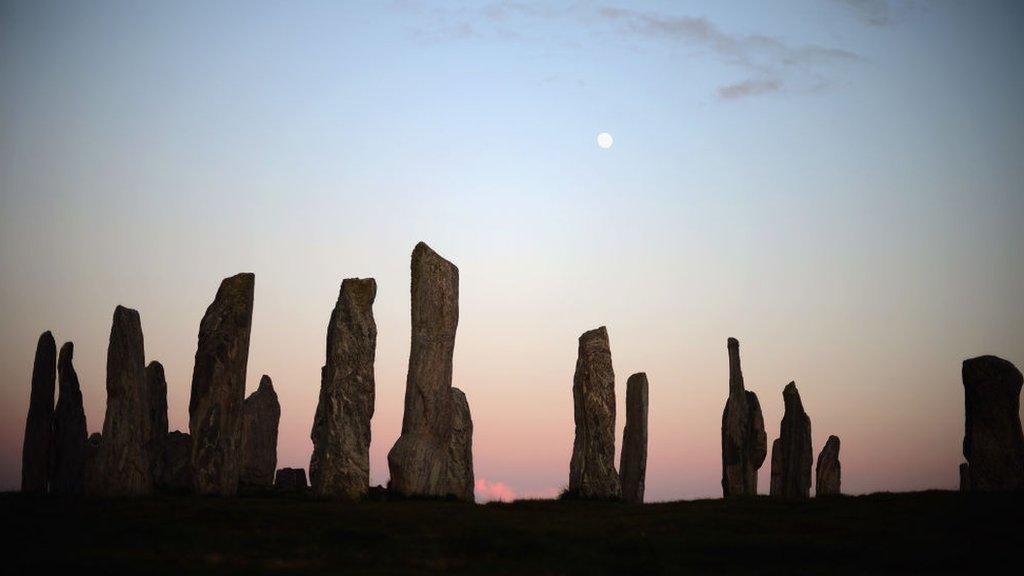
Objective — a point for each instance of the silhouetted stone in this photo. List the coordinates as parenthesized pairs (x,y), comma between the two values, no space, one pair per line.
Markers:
(340,465)
(218,388)
(965,477)
(156,390)
(69,429)
(122,458)
(419,459)
(291,481)
(791,452)
(993,441)
(460,449)
(93,472)
(633,460)
(176,469)
(592,468)
(35,451)
(744,442)
(259,435)
(828,469)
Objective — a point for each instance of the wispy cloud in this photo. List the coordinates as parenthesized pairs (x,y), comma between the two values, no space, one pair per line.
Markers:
(872,12)
(748,88)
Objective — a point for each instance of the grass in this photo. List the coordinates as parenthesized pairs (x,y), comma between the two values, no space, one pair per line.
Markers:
(924,532)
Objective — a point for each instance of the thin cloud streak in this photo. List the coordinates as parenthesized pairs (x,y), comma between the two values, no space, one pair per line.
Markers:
(748,88)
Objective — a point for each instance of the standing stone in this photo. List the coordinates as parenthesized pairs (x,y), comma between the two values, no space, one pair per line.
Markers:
(340,465)
(259,435)
(828,471)
(93,472)
(592,468)
(35,452)
(744,442)
(156,390)
(419,459)
(291,481)
(460,449)
(993,441)
(218,387)
(965,477)
(791,452)
(69,429)
(633,460)
(176,469)
(122,458)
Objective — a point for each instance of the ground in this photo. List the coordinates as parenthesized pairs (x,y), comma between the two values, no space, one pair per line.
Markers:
(925,532)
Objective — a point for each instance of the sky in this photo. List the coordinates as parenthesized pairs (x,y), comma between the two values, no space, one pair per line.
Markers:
(837,184)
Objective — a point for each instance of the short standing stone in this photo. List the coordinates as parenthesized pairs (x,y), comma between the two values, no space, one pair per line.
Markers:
(259,435)
(93,471)
(993,441)
(156,389)
(122,456)
(460,449)
(744,442)
(218,387)
(176,469)
(592,467)
(340,465)
(792,454)
(291,480)
(828,469)
(633,460)
(69,429)
(35,452)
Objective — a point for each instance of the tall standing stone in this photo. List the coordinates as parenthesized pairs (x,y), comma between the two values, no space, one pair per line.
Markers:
(122,459)
(592,468)
(633,460)
(70,433)
(993,441)
(965,477)
(176,470)
(259,435)
(460,449)
(828,470)
(156,390)
(744,442)
(792,466)
(35,451)
(419,459)
(340,465)
(218,387)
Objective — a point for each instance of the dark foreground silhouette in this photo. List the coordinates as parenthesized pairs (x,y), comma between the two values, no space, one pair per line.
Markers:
(925,532)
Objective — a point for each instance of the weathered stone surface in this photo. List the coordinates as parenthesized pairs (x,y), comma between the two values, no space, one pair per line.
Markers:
(828,470)
(633,460)
(122,458)
(744,442)
(419,459)
(35,451)
(69,429)
(965,477)
(291,480)
(259,435)
(340,465)
(592,467)
(218,388)
(176,469)
(156,391)
(993,441)
(460,449)
(792,466)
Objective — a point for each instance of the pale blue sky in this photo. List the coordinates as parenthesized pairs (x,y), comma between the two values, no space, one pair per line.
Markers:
(839,184)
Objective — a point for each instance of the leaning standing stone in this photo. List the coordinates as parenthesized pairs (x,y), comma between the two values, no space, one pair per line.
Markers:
(828,469)
(35,452)
(592,468)
(218,387)
(69,429)
(460,449)
(744,442)
(792,466)
(259,436)
(993,441)
(633,460)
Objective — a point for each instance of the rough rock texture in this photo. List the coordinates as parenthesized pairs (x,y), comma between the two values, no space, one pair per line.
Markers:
(259,435)
(965,477)
(828,470)
(176,469)
(218,388)
(633,460)
(460,449)
(93,472)
(993,442)
(791,452)
(35,452)
(69,429)
(592,468)
(156,390)
(419,459)
(291,480)
(744,442)
(122,458)
(340,465)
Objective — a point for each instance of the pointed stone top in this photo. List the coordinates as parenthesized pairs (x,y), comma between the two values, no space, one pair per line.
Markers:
(67,353)
(266,385)
(47,337)
(833,440)
(424,252)
(239,285)
(791,397)
(600,332)
(732,342)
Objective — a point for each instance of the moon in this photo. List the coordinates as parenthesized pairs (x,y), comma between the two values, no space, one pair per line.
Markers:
(604,140)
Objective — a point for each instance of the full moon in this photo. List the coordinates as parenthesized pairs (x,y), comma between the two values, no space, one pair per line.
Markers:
(604,140)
